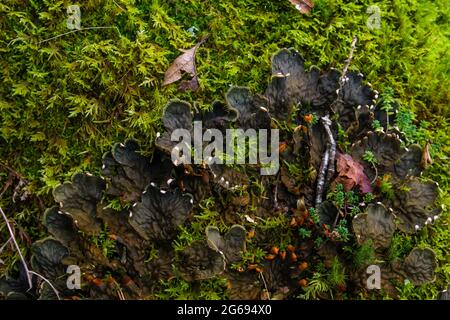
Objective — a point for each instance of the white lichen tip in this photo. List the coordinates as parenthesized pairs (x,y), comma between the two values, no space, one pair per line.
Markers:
(131,214)
(122,145)
(163,191)
(247,217)
(169,181)
(263,109)
(103,167)
(222,179)
(134,204)
(436,217)
(158,134)
(153,184)
(416,227)
(191,201)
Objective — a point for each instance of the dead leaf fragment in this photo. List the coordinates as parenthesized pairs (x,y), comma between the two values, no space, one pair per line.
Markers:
(184,63)
(426,157)
(351,173)
(304,6)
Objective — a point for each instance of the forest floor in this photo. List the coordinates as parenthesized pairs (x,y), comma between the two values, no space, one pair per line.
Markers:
(64,101)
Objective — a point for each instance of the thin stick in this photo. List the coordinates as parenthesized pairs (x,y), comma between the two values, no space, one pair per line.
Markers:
(4,245)
(342,78)
(331,167)
(350,57)
(327,168)
(11,233)
(47,281)
(276,191)
(120,294)
(7,185)
(11,170)
(376,174)
(321,178)
(265,284)
(118,5)
(82,29)
(335,220)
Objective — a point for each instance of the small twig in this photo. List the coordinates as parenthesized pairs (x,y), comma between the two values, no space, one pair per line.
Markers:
(48,282)
(321,177)
(203,39)
(7,184)
(11,233)
(327,168)
(4,245)
(342,78)
(118,5)
(335,220)
(349,59)
(331,167)
(82,29)
(265,284)
(276,191)
(376,173)
(120,294)
(11,170)
(28,272)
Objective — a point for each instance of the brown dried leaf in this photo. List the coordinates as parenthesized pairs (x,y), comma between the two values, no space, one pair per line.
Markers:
(184,63)
(191,84)
(304,6)
(351,173)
